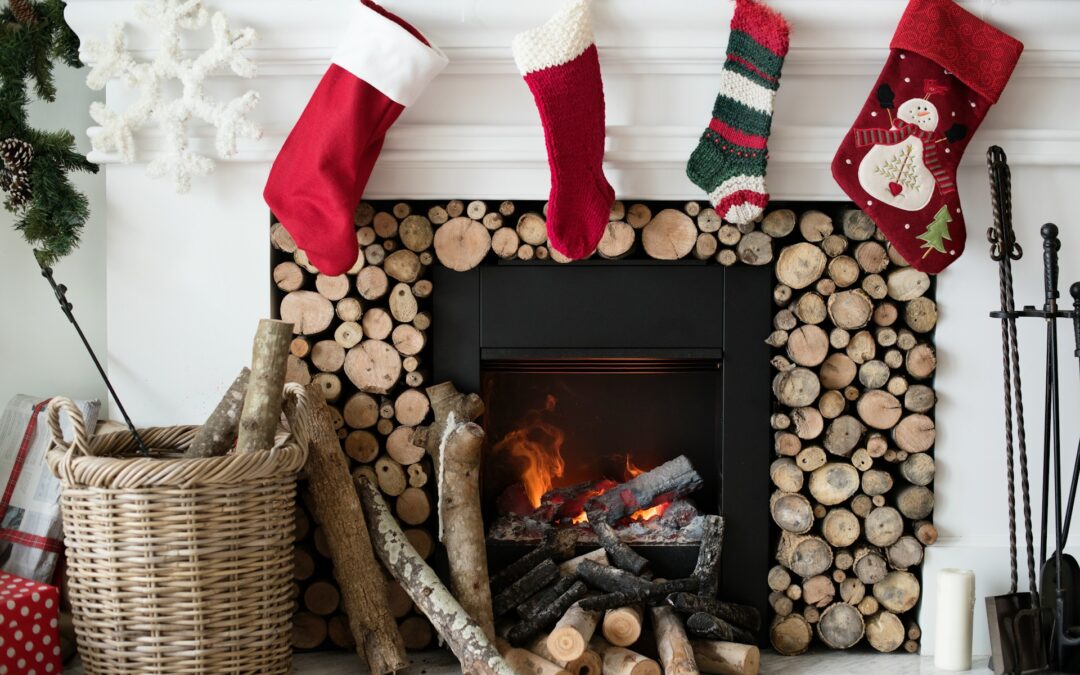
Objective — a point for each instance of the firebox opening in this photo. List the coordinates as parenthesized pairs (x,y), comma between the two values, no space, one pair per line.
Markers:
(563,430)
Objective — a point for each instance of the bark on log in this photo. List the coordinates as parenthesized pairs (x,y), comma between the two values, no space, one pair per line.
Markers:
(674,478)
(672,644)
(743,616)
(726,658)
(462,523)
(217,435)
(571,635)
(707,568)
(840,626)
(790,635)
(570,567)
(545,597)
(337,509)
(621,555)
(707,626)
(641,591)
(261,411)
(546,616)
(670,235)
(519,591)
(464,636)
(622,625)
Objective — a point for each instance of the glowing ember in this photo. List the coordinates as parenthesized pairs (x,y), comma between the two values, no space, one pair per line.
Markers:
(538,446)
(650,513)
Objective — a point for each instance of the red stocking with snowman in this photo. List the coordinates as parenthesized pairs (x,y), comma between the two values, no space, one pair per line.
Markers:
(898,163)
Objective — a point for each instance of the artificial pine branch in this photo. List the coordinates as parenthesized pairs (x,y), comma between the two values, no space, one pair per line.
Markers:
(52,214)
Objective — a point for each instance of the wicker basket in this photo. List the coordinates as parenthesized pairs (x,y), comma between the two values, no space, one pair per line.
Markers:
(177,565)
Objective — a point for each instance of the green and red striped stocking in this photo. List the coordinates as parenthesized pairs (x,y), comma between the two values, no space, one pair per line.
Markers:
(729,161)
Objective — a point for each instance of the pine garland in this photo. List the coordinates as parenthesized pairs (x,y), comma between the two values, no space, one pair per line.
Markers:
(34,163)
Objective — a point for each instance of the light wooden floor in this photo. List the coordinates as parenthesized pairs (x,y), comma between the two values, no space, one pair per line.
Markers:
(832,663)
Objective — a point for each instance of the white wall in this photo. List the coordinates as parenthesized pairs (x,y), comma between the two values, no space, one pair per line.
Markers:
(40,353)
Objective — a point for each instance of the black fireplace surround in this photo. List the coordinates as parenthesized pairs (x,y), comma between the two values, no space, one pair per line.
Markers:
(645,316)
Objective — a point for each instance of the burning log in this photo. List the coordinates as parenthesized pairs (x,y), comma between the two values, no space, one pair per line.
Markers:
(547,616)
(713,628)
(726,658)
(464,636)
(707,569)
(743,616)
(676,654)
(525,587)
(572,633)
(672,479)
(619,553)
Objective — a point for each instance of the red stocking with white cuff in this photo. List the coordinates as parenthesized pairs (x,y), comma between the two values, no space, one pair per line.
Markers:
(380,68)
(559,63)
(946,67)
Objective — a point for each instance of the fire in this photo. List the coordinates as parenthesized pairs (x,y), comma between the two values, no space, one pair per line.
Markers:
(538,445)
(632,471)
(650,513)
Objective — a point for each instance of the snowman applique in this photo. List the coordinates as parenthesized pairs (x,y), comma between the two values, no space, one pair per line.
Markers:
(903,165)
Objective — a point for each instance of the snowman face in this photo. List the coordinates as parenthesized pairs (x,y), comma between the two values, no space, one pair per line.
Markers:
(920,112)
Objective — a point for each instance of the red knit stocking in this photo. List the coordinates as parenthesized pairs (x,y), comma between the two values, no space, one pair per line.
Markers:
(560,65)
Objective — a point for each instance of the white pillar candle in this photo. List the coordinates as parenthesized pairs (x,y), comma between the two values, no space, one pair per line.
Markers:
(955,603)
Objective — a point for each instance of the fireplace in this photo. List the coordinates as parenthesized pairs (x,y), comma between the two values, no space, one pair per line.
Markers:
(594,371)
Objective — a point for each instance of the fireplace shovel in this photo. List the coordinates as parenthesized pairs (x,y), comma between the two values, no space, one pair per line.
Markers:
(1015,620)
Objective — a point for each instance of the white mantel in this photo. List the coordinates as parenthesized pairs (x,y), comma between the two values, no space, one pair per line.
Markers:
(188,276)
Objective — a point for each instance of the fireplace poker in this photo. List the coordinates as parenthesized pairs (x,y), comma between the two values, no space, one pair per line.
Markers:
(65,305)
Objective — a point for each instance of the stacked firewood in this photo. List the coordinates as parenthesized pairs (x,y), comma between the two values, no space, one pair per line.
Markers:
(591,614)
(854,434)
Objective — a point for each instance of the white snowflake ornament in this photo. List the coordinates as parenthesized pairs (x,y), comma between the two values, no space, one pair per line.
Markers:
(111,59)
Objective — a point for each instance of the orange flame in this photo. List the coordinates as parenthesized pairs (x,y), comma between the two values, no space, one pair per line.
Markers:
(538,445)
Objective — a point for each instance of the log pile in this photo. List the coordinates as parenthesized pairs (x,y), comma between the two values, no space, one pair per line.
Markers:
(854,435)
(853,420)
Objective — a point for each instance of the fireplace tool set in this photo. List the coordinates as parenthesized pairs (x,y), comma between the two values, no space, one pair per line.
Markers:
(1040,628)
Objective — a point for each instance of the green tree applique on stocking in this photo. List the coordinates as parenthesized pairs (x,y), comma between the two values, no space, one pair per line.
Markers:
(937,233)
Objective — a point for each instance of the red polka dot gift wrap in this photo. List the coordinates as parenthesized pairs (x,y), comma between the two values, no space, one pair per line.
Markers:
(29,627)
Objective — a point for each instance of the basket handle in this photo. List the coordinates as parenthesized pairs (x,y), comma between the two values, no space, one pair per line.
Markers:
(297,409)
(80,442)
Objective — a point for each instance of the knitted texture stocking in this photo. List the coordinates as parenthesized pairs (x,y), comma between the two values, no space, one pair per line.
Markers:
(729,161)
(559,63)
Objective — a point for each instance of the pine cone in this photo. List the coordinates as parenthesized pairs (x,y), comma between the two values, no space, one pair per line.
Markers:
(23,11)
(16,183)
(16,153)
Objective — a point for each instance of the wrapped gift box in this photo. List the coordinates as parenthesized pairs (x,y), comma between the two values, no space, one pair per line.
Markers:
(29,626)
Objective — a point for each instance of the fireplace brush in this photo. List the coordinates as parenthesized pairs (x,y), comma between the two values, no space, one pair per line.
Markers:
(65,305)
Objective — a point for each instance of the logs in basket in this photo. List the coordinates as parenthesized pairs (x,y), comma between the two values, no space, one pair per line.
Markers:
(853,397)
